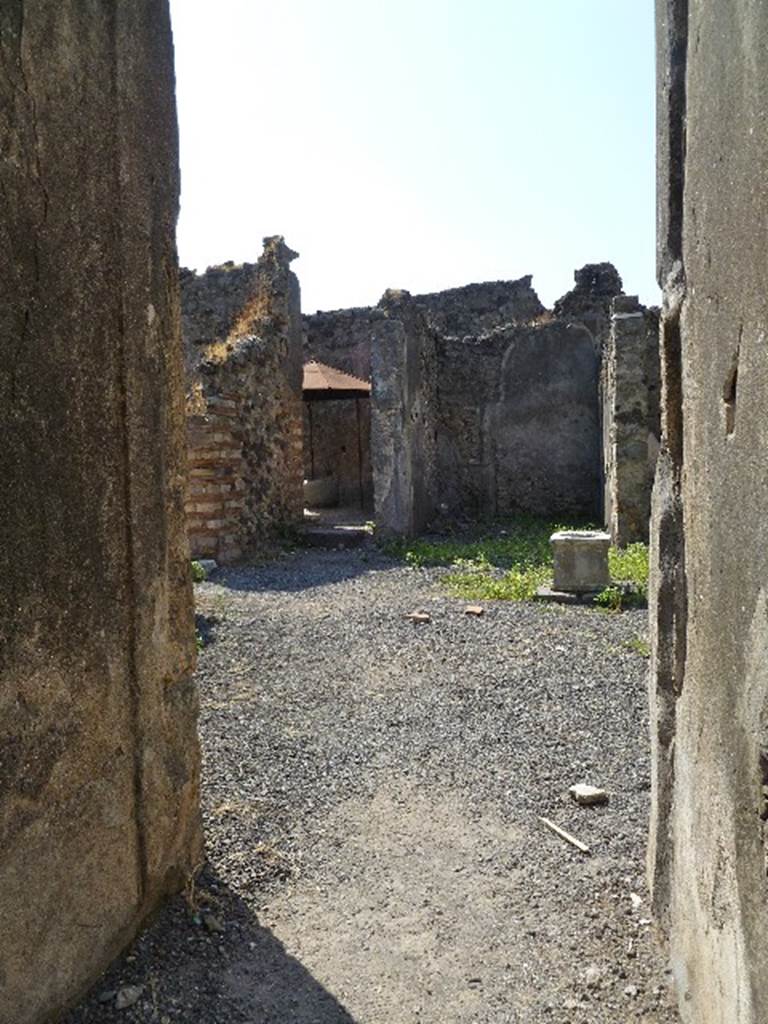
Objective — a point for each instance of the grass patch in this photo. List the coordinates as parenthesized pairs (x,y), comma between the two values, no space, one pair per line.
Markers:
(629,571)
(514,561)
(521,541)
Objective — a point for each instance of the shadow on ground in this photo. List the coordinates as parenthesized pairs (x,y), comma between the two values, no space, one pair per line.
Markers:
(209,960)
(303,569)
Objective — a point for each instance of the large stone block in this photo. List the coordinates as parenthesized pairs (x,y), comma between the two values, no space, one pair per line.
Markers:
(580,560)
(98,751)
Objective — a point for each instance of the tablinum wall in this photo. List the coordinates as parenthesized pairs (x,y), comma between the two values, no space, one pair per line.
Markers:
(518,423)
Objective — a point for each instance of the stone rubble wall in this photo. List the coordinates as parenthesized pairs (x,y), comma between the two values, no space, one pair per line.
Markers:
(589,301)
(491,459)
(709,610)
(630,387)
(479,308)
(99,760)
(244,404)
(342,339)
(403,418)
(211,304)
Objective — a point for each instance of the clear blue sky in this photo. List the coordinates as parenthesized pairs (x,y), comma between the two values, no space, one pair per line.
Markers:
(418,144)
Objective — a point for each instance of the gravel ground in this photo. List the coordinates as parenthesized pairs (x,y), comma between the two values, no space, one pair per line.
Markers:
(371,795)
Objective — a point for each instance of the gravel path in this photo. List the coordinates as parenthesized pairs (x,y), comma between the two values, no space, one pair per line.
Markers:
(371,793)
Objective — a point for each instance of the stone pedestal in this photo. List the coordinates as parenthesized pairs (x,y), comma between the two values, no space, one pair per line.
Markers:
(580,560)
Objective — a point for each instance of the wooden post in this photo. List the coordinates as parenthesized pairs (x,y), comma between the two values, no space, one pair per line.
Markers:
(311,442)
(359,453)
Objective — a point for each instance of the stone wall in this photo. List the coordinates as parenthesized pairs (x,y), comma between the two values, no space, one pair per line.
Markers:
(630,388)
(403,417)
(517,396)
(211,304)
(518,423)
(479,308)
(245,426)
(99,764)
(589,301)
(709,614)
(342,338)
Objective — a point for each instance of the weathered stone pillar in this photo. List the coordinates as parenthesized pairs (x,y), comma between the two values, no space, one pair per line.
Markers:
(98,751)
(709,614)
(403,417)
(631,410)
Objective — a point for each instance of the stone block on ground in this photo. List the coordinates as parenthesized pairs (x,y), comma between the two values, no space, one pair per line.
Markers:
(580,559)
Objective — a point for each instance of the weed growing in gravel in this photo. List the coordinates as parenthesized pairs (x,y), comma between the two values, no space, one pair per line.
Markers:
(478,580)
(512,563)
(198,573)
(639,646)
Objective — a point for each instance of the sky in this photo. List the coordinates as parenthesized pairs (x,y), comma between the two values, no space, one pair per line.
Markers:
(419,144)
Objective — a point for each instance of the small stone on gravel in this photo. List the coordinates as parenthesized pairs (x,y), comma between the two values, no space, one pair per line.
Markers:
(419,616)
(212,923)
(127,996)
(586,795)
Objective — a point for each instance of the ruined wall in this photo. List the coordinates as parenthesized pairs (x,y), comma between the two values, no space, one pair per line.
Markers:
(709,615)
(479,308)
(98,750)
(403,417)
(518,423)
(630,388)
(211,304)
(245,427)
(517,398)
(589,301)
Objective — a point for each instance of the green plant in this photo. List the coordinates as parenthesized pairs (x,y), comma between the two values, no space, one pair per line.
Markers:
(610,599)
(630,565)
(639,646)
(198,573)
(629,571)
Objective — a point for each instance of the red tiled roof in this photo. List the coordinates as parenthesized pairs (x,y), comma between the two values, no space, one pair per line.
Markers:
(318,377)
